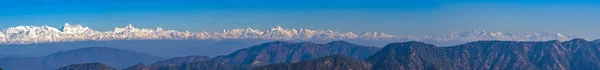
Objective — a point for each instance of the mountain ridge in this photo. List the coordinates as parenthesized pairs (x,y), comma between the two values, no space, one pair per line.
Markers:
(573,54)
(576,54)
(70,33)
(87,66)
(180,60)
(288,52)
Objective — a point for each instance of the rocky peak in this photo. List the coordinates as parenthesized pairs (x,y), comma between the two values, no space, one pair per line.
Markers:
(128,28)
(68,28)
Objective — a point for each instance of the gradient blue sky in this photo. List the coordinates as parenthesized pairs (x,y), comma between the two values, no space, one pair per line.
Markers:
(398,17)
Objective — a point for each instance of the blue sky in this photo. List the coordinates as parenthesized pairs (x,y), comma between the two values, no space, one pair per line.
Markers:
(398,17)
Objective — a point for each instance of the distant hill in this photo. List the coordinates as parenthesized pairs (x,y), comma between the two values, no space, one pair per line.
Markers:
(161,48)
(334,62)
(139,67)
(286,52)
(180,60)
(87,66)
(112,57)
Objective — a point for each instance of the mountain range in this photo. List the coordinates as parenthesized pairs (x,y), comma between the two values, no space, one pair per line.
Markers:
(73,33)
(287,52)
(267,53)
(109,56)
(275,52)
(575,54)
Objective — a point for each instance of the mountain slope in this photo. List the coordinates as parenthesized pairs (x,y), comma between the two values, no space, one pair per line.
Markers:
(112,57)
(583,54)
(87,66)
(409,55)
(202,65)
(138,67)
(484,55)
(596,41)
(334,62)
(180,60)
(286,52)
(275,52)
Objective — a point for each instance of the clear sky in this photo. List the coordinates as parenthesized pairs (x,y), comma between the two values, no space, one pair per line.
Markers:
(398,17)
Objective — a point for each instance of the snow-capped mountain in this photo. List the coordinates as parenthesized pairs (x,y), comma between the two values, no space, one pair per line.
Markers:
(70,33)
(473,35)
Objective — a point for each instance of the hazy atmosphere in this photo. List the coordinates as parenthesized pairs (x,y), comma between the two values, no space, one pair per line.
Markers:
(401,18)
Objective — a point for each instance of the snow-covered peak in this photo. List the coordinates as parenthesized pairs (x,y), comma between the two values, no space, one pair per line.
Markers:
(159,29)
(68,28)
(278,28)
(29,29)
(128,28)
(253,31)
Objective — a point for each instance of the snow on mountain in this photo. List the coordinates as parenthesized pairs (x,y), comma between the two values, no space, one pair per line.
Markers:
(70,33)
(473,35)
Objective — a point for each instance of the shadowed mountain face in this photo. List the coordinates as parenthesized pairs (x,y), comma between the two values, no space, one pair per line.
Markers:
(407,55)
(138,67)
(576,54)
(334,62)
(583,54)
(596,41)
(275,52)
(202,65)
(484,55)
(87,66)
(286,52)
(180,60)
(112,57)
